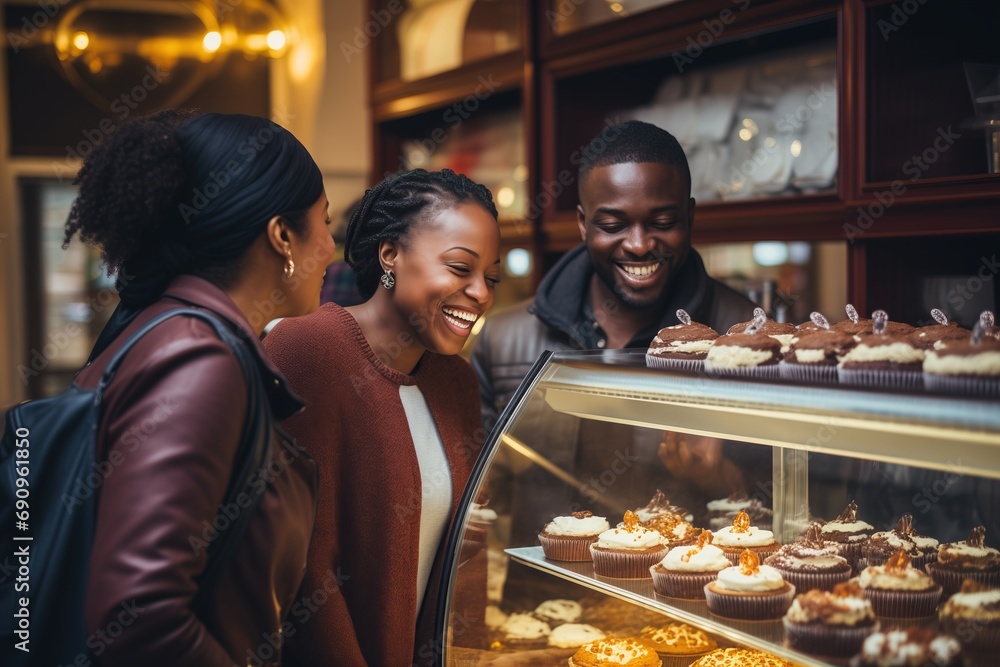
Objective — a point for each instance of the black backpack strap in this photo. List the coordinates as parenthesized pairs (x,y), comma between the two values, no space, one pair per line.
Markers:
(252,456)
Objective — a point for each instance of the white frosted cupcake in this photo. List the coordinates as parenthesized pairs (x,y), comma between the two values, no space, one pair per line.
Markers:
(627,551)
(681,347)
(970,559)
(882,359)
(850,532)
(964,367)
(749,591)
(734,539)
(830,623)
(569,538)
(974,615)
(684,571)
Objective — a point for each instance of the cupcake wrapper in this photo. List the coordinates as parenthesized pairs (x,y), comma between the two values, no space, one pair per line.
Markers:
(770,372)
(851,552)
(686,365)
(967,386)
(763,607)
(976,635)
(881,378)
(808,373)
(556,548)
(826,640)
(624,565)
(684,585)
(951,580)
(807,581)
(671,660)
(733,554)
(904,604)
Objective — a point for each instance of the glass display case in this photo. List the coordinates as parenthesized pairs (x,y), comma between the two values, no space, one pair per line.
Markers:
(599,431)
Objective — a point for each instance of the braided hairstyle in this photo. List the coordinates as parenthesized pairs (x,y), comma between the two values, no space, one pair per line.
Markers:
(391,209)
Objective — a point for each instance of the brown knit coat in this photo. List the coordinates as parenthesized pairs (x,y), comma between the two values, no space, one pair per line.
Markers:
(361,576)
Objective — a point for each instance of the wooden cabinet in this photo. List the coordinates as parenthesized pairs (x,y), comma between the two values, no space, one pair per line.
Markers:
(851,120)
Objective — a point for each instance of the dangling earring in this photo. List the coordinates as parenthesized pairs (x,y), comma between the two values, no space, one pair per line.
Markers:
(289,268)
(388,280)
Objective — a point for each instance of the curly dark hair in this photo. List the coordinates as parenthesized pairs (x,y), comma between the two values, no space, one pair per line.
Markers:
(185,193)
(390,210)
(634,141)
(130,186)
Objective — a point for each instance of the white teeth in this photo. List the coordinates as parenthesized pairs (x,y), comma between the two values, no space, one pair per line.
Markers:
(461,314)
(641,271)
(457,322)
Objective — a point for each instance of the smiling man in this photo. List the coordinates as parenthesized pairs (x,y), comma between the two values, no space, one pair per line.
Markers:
(626,281)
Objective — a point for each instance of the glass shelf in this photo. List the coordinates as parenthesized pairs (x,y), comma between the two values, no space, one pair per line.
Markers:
(764,635)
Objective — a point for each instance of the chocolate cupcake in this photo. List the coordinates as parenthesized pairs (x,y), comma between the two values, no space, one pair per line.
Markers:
(937,336)
(684,571)
(749,591)
(750,354)
(970,367)
(781,331)
(898,590)
(736,538)
(681,347)
(849,532)
(813,356)
(829,623)
(916,647)
(628,551)
(857,326)
(973,615)
(882,359)
(883,545)
(970,559)
(568,538)
(659,505)
(811,563)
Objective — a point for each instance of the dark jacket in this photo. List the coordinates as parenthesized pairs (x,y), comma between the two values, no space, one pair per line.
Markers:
(168,436)
(559,318)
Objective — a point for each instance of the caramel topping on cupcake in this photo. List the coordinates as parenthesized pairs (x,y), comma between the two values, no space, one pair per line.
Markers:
(973,586)
(848,589)
(905,525)
(850,513)
(977,538)
(749,563)
(741,524)
(898,563)
(630,521)
(703,540)
(582,514)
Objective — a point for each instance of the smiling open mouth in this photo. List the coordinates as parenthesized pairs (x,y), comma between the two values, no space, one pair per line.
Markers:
(640,270)
(460,318)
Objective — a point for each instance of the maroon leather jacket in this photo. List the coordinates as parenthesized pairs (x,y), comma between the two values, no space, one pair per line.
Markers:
(171,425)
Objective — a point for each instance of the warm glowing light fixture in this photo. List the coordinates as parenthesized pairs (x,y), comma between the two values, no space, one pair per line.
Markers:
(276,40)
(212,41)
(81,40)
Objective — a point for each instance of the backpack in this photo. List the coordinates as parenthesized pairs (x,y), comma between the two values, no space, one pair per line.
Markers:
(47,450)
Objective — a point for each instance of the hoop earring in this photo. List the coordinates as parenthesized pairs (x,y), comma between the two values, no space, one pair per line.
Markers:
(289,268)
(388,279)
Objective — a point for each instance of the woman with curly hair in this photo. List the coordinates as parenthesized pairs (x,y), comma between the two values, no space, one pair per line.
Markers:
(393,418)
(225,214)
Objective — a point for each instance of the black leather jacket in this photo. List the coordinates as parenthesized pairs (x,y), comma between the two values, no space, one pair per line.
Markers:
(559,318)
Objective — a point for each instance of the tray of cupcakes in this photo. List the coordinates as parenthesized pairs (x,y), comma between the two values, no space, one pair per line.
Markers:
(877,352)
(841,593)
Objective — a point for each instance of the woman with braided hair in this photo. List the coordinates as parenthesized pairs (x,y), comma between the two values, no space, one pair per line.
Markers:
(393,417)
